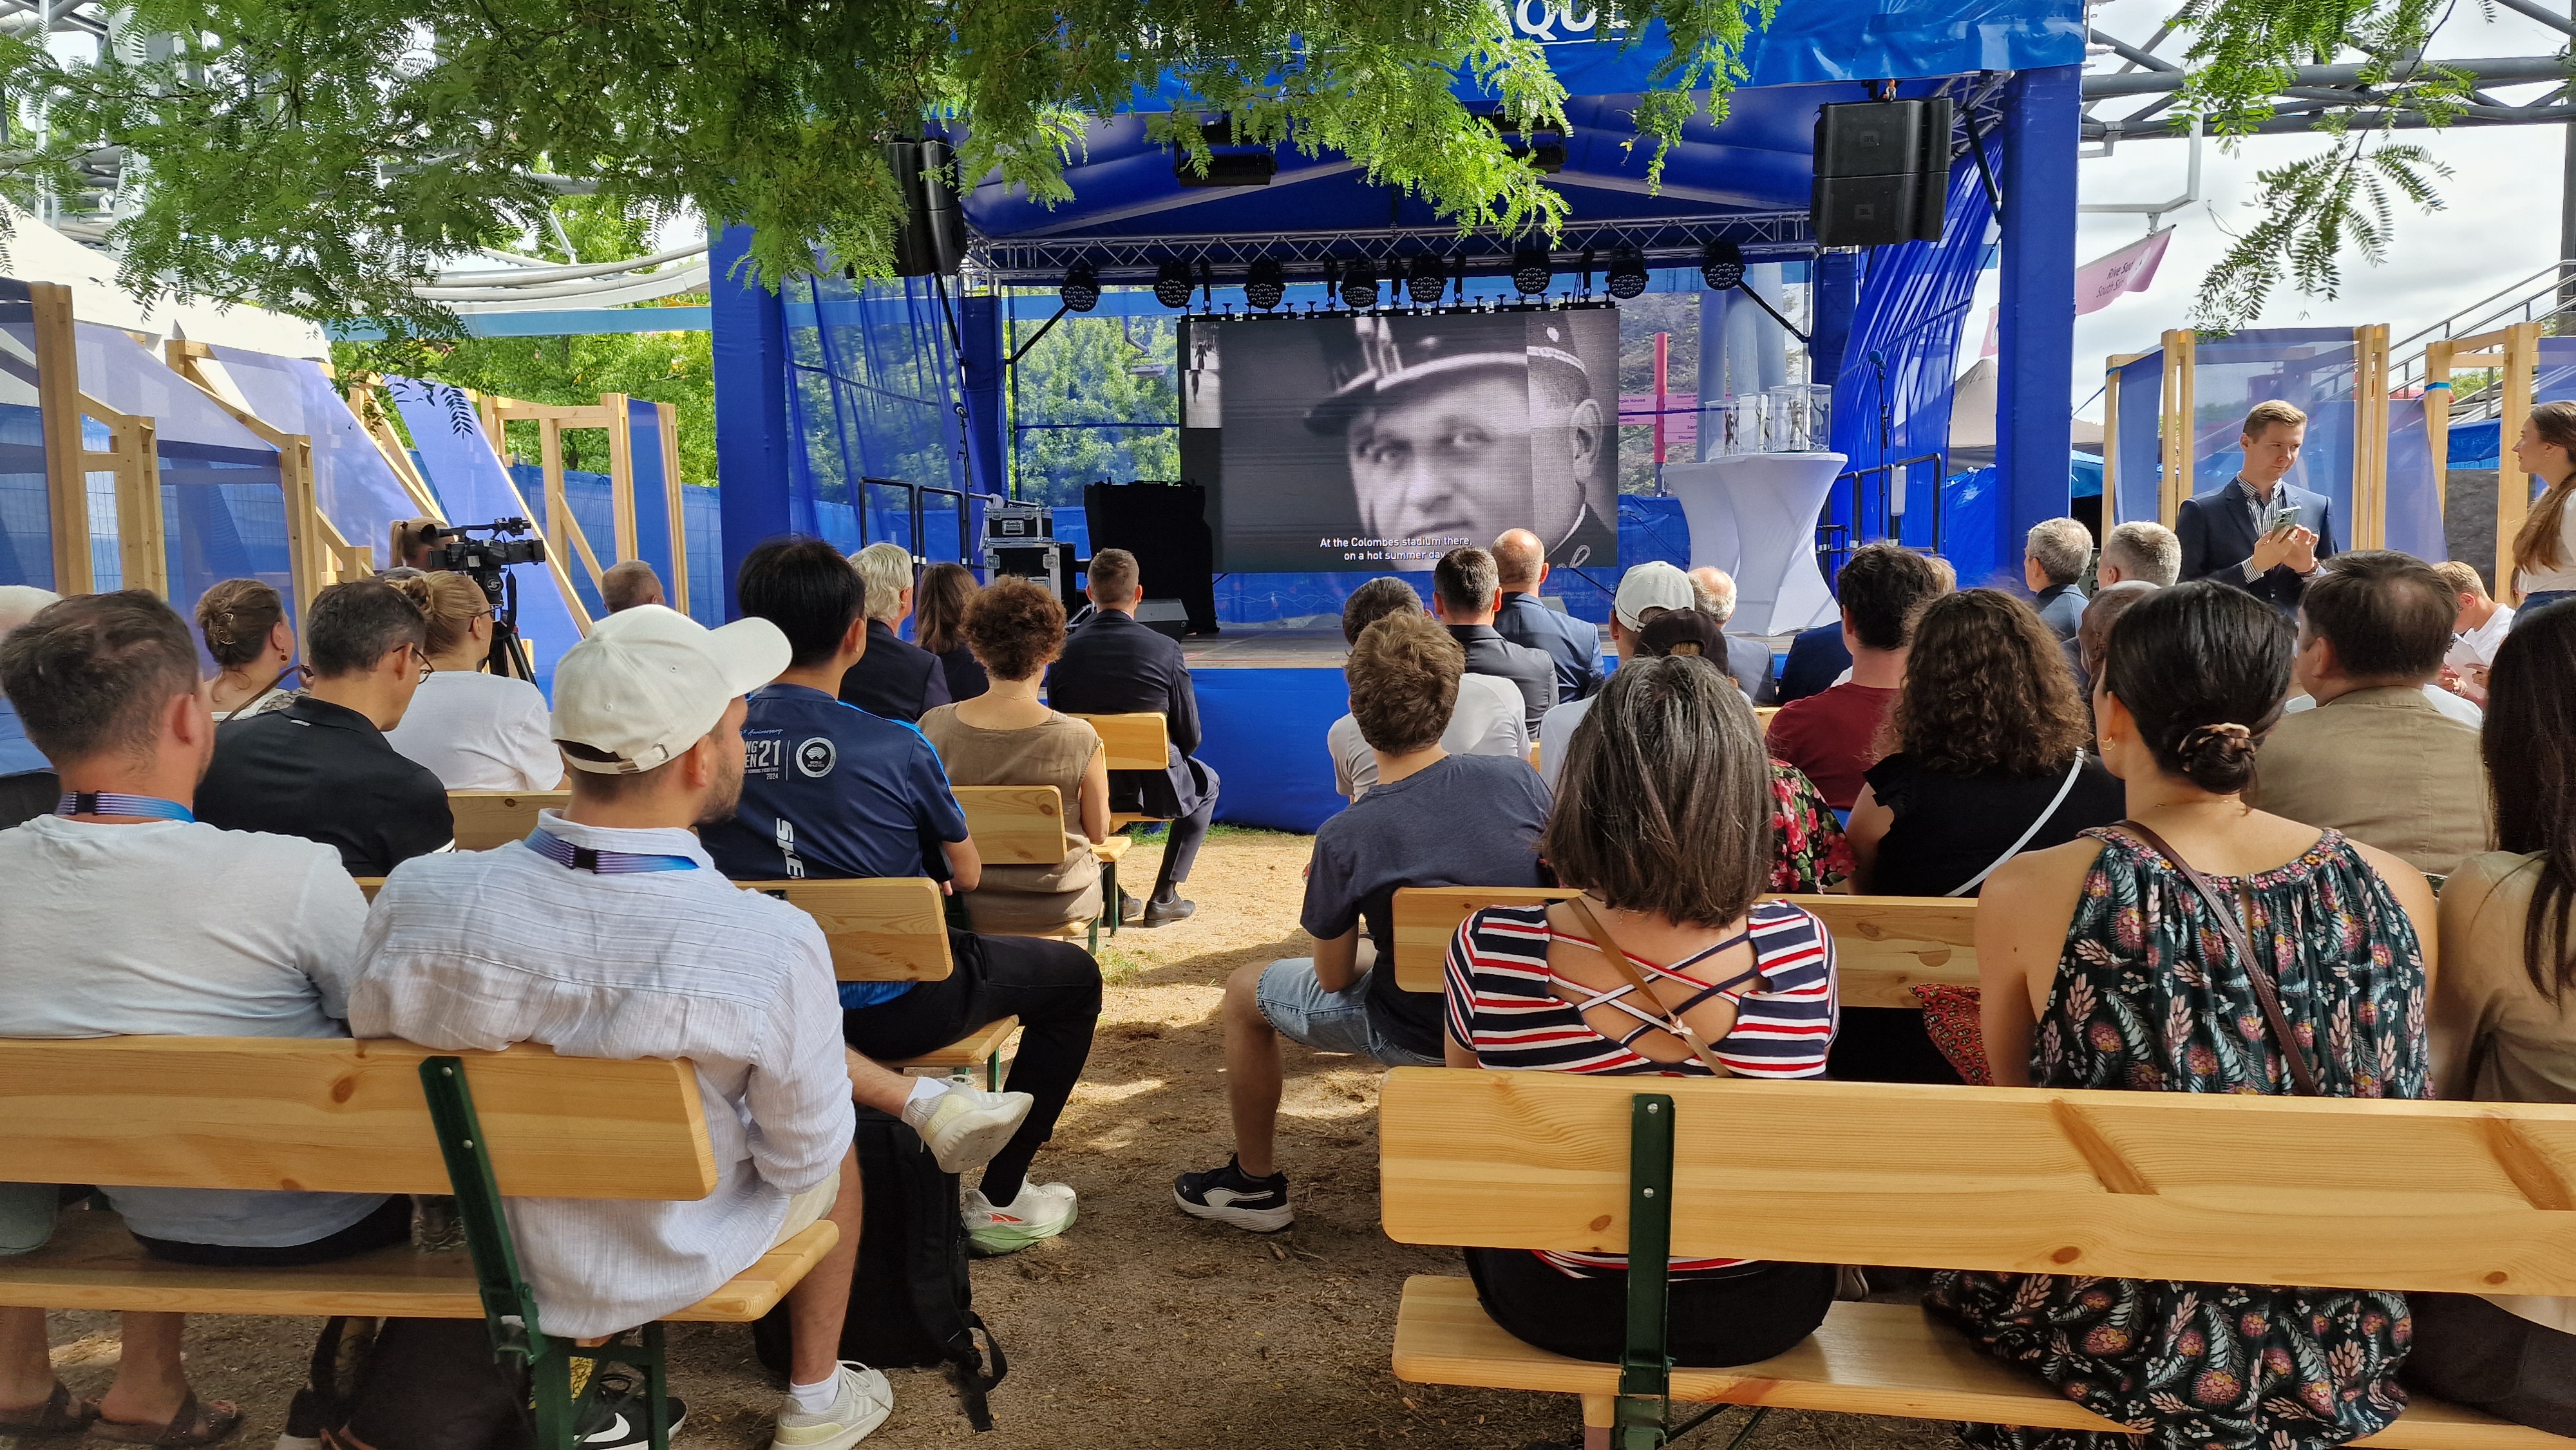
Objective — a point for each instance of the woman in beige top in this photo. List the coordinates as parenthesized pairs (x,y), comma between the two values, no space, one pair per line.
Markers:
(2504,1013)
(1007,736)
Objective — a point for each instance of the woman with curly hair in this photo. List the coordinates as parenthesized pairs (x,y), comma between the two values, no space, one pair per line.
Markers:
(1007,736)
(2299,963)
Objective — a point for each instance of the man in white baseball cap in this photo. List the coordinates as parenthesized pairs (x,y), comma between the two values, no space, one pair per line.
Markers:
(1646,592)
(609,933)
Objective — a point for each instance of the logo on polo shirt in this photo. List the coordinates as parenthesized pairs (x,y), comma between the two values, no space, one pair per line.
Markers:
(815,757)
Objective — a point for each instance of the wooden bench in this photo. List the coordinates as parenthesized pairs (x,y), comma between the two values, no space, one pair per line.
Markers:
(2460,1197)
(1025,825)
(489,818)
(1884,946)
(365,1117)
(895,929)
(1140,741)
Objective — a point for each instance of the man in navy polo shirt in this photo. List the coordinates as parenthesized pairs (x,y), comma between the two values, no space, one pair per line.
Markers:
(831,791)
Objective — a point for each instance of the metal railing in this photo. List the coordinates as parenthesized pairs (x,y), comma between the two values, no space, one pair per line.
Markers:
(2546,295)
(1887,472)
(969,551)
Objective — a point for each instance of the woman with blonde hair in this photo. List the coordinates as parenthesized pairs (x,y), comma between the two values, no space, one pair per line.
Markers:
(474,731)
(2544,549)
(245,628)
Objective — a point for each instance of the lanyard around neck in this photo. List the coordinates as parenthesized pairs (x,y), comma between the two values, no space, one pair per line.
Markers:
(109,803)
(601,863)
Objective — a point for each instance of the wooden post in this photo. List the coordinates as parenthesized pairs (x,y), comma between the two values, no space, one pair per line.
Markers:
(59,407)
(314,550)
(2513,486)
(2370,437)
(2178,427)
(133,455)
(2437,418)
(370,412)
(621,475)
(669,432)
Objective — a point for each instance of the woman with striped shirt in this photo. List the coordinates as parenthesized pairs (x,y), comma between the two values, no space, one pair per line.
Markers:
(1663,817)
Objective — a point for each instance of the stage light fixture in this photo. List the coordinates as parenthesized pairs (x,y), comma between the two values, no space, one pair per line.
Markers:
(1531,271)
(1267,286)
(1359,286)
(1627,274)
(1081,289)
(1172,284)
(1722,266)
(1426,281)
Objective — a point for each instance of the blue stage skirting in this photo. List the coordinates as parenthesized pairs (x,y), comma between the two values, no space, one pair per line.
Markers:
(1263,730)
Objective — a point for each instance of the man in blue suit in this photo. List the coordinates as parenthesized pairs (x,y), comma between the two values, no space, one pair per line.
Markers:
(1520,562)
(2261,533)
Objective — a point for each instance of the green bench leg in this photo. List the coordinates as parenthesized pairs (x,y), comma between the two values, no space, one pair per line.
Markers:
(1644,1405)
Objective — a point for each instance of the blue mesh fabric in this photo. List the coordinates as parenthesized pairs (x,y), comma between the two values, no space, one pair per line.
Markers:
(352,484)
(26,514)
(2141,442)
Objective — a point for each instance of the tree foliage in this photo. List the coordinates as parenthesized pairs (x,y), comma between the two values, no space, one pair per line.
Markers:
(1104,392)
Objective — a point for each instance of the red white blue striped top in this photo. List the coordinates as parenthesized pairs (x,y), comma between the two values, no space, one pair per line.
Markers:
(1503,1002)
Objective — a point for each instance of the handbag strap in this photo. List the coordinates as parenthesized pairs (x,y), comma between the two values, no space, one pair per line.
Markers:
(2065,788)
(2303,1078)
(1609,947)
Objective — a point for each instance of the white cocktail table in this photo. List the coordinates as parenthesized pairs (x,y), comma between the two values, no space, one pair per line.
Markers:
(1754,516)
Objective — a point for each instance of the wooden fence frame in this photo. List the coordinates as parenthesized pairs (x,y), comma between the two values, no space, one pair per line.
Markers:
(2515,351)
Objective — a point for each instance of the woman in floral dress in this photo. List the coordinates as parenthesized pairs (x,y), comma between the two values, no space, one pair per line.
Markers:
(2102,968)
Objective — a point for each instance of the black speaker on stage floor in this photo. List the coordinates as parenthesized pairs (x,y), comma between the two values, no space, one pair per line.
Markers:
(933,238)
(1165,526)
(1882,172)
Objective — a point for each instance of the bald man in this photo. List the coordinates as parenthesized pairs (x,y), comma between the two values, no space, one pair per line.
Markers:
(1520,560)
(28,787)
(1748,660)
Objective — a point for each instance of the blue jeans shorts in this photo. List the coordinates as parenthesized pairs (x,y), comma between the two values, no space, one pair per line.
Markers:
(1305,1013)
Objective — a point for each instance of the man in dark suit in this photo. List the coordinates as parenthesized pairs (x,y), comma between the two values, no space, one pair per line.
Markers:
(1520,564)
(1817,657)
(1748,660)
(1114,666)
(895,678)
(2261,533)
(1465,595)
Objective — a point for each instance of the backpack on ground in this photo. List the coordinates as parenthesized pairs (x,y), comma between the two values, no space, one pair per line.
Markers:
(911,1304)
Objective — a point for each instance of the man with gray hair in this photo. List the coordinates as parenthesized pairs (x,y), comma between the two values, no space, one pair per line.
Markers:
(1748,660)
(2150,553)
(894,678)
(2053,558)
(28,785)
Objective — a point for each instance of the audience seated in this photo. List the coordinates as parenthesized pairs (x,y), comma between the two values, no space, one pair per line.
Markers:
(1487,719)
(124,915)
(627,585)
(1114,666)
(2084,652)
(1432,819)
(321,768)
(2103,968)
(1465,596)
(2053,559)
(253,647)
(946,592)
(1005,735)
(1521,569)
(1984,759)
(1817,659)
(2501,1029)
(608,933)
(1646,593)
(2376,758)
(2476,632)
(1664,823)
(834,792)
(28,787)
(1748,660)
(476,731)
(2260,533)
(894,678)
(1830,736)
(2544,549)
(2144,552)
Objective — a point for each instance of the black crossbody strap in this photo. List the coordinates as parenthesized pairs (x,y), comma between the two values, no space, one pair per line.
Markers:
(2303,1078)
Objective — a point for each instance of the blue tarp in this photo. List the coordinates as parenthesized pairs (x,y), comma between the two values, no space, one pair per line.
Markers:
(26,507)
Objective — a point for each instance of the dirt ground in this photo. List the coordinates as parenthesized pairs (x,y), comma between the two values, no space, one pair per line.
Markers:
(1141,1327)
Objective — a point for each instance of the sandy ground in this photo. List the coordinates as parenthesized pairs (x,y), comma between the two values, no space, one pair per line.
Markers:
(1141,1327)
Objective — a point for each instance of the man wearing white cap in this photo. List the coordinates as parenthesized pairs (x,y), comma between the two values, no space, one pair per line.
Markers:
(1645,591)
(608,933)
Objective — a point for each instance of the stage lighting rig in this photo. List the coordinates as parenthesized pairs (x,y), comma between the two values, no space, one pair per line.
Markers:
(1627,274)
(1531,271)
(1359,286)
(1426,281)
(1722,266)
(1172,284)
(1081,289)
(1267,286)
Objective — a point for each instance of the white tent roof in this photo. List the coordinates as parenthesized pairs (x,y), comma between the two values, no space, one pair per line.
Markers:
(38,253)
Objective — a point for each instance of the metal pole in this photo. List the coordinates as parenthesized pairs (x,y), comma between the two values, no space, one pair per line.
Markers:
(2567,213)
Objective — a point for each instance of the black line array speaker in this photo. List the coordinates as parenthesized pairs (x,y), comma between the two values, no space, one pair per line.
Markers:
(1882,172)
(933,239)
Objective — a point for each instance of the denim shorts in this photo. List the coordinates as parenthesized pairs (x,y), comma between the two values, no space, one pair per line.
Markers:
(1305,1013)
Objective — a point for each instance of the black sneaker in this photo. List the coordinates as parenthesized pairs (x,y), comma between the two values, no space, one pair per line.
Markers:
(1230,1195)
(1164,913)
(616,1416)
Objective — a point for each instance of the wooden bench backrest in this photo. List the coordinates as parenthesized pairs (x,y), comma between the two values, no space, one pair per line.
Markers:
(2465,1197)
(1884,946)
(881,929)
(1762,716)
(1133,742)
(343,1116)
(1015,825)
(489,818)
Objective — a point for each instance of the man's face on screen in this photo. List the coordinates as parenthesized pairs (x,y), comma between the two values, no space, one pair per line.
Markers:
(1452,458)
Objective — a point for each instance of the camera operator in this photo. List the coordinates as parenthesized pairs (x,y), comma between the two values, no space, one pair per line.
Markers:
(477,731)
(416,544)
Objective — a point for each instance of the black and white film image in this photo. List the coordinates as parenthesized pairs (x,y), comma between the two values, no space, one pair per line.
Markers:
(1379,443)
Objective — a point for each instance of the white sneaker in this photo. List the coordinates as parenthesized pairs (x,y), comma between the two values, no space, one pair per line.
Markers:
(964,1127)
(1042,1211)
(863,1404)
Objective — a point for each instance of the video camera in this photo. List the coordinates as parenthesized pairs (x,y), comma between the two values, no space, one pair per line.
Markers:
(483,560)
